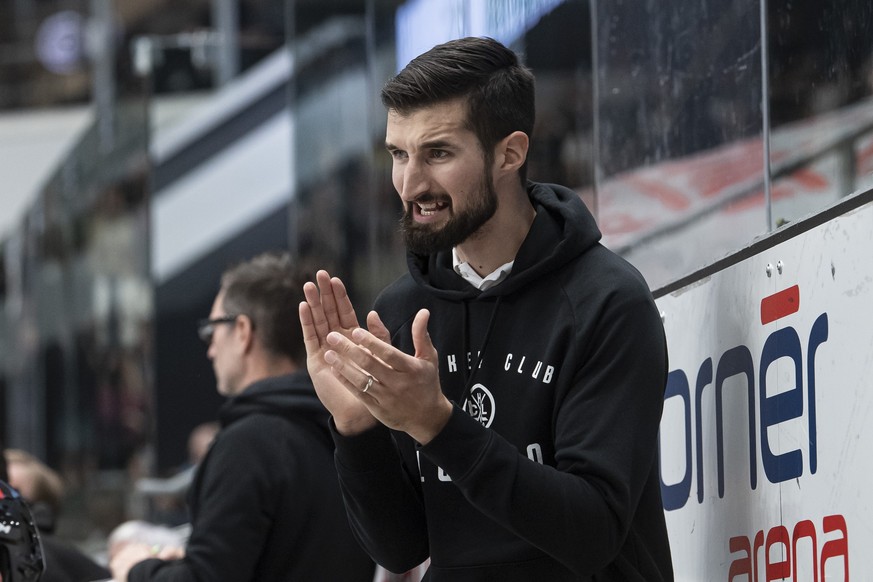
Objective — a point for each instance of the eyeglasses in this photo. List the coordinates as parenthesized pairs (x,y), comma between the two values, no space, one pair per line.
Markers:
(206,327)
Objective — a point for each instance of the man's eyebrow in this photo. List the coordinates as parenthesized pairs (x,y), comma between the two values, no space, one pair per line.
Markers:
(437,144)
(428,145)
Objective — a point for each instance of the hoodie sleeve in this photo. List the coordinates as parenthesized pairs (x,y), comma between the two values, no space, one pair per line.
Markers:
(384,506)
(605,437)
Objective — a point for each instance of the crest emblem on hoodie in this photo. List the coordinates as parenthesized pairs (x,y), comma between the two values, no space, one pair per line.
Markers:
(480,405)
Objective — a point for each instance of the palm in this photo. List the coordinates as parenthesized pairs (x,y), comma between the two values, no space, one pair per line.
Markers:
(331,391)
(329,309)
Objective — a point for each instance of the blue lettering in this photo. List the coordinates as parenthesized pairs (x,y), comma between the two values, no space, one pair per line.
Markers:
(676,495)
(735,361)
(774,410)
(781,407)
(704,378)
(817,336)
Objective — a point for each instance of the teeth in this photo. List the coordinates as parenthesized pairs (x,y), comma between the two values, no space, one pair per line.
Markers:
(430,208)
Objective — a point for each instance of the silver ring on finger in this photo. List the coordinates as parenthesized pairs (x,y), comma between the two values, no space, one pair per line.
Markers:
(370,381)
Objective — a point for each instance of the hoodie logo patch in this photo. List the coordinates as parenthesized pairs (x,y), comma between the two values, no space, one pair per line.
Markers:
(480,405)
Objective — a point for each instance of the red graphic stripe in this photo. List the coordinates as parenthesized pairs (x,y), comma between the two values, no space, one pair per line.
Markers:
(780,304)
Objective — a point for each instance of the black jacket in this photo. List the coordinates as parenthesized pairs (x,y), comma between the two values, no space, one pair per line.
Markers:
(551,473)
(265,503)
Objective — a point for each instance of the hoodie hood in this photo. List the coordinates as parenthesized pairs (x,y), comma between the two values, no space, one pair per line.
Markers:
(290,396)
(562,230)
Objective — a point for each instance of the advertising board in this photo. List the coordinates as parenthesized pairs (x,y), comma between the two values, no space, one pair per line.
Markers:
(766,437)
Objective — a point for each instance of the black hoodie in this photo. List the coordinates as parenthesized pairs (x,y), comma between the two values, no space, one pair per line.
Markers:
(548,468)
(265,504)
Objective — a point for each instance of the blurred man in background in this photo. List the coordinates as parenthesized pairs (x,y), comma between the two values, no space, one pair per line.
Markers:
(265,503)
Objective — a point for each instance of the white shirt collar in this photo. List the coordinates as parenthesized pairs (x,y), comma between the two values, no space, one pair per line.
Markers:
(470,275)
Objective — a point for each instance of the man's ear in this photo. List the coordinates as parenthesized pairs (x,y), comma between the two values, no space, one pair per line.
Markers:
(246,330)
(512,151)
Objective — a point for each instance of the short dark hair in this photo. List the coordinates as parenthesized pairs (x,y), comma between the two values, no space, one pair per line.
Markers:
(498,89)
(268,288)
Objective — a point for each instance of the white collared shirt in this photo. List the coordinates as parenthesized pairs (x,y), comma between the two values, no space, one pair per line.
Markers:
(470,275)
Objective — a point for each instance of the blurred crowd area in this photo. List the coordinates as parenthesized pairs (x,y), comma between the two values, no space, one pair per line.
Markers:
(52,49)
(660,117)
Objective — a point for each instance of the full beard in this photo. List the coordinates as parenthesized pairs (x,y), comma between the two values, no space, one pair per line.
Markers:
(427,239)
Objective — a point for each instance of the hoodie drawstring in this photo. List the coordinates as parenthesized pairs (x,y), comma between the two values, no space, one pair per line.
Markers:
(462,401)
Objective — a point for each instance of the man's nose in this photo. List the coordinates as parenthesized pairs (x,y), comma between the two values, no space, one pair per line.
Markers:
(414,180)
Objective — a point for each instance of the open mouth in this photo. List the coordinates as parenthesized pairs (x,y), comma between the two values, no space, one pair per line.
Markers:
(430,208)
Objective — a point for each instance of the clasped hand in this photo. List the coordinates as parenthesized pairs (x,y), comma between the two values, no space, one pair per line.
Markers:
(342,358)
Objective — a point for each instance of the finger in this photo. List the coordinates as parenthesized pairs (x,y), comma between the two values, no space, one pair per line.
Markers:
(344,308)
(375,355)
(377,328)
(350,375)
(316,310)
(364,352)
(311,341)
(171,553)
(424,348)
(328,299)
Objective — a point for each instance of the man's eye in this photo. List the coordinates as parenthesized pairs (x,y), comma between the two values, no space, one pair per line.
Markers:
(398,154)
(438,154)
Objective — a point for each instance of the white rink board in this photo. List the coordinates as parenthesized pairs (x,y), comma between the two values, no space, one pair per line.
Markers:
(796,505)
